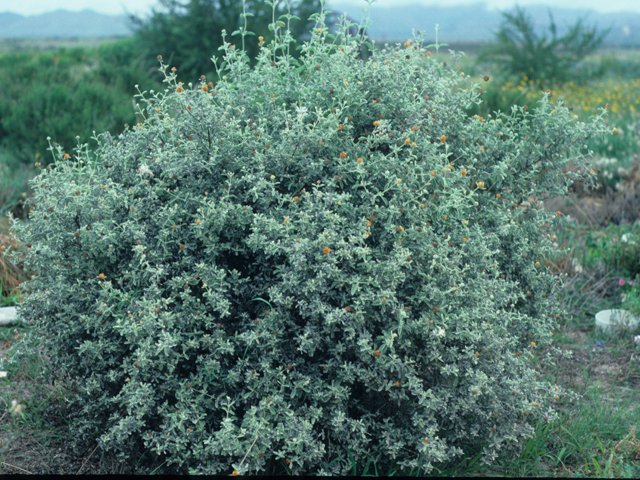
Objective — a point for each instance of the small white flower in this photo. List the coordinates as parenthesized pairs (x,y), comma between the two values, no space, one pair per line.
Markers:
(144,169)
(301,112)
(576,266)
(636,339)
(626,238)
(15,408)
(3,374)
(439,333)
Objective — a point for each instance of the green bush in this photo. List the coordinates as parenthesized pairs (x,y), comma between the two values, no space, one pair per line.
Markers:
(546,61)
(64,94)
(316,261)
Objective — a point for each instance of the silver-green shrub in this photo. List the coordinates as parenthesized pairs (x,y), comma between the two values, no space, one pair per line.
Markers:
(305,264)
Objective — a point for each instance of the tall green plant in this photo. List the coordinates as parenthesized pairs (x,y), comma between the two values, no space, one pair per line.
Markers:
(188,34)
(546,61)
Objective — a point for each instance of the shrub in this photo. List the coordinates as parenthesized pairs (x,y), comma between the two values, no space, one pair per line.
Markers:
(545,61)
(65,92)
(314,261)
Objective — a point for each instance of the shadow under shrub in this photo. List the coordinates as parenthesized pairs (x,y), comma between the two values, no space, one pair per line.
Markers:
(314,261)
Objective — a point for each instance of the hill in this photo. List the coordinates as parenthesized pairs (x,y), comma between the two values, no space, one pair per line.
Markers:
(474,23)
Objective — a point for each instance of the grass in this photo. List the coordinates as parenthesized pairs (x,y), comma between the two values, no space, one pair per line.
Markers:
(595,437)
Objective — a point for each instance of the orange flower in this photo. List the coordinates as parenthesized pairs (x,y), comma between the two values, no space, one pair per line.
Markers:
(406,44)
(464,239)
(197,222)
(498,195)
(477,354)
(235,473)
(326,250)
(433,173)
(463,172)
(347,308)
(407,141)
(288,461)
(205,89)
(359,160)
(480,184)
(296,199)
(376,123)
(66,155)
(426,441)
(343,155)
(427,97)
(340,127)
(377,353)
(372,218)
(414,129)
(179,89)
(397,384)
(443,139)
(444,216)
(558,213)
(101,276)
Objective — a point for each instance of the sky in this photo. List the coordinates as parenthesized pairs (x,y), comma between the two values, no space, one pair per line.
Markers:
(143,7)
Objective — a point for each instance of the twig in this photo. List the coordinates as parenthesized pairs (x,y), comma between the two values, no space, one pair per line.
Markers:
(86,460)
(632,432)
(245,456)
(18,468)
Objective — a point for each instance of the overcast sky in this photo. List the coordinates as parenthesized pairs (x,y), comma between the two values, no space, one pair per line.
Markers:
(143,7)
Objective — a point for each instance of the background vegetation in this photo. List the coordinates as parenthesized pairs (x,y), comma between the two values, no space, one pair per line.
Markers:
(71,91)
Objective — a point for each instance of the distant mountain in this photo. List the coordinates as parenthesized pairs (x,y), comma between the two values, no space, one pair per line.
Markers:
(472,23)
(475,23)
(63,24)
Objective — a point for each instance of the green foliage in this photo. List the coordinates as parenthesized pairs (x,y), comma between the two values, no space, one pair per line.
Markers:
(316,262)
(187,34)
(546,61)
(64,94)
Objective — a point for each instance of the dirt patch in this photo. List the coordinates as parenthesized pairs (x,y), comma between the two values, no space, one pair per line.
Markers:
(604,205)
